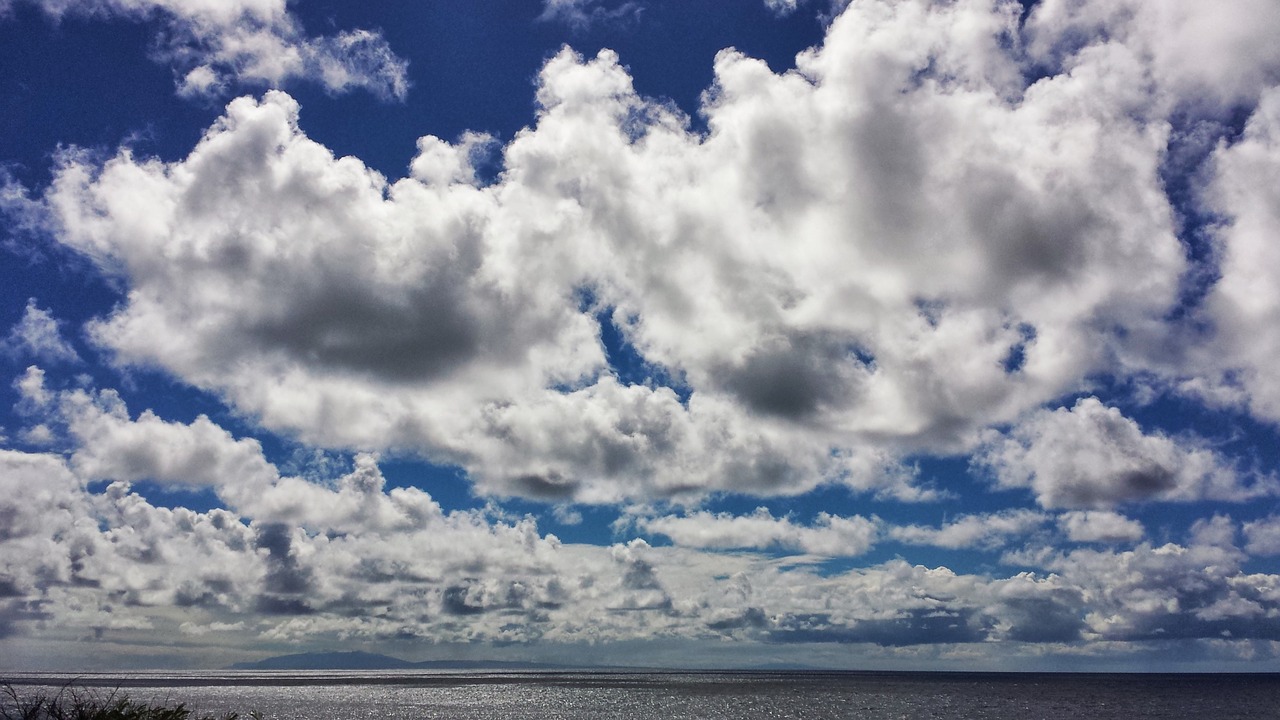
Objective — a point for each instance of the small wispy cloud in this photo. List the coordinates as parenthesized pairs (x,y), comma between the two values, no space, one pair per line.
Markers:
(583,14)
(38,336)
(216,47)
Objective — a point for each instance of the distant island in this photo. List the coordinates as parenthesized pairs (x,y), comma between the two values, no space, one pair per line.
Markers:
(356,660)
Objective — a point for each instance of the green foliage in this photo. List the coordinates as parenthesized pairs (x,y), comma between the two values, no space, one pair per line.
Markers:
(70,703)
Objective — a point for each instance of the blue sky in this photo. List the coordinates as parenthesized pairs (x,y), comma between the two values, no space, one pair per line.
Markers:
(881,334)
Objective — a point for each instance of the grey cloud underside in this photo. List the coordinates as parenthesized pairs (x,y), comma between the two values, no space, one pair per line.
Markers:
(343,329)
(916,627)
(796,377)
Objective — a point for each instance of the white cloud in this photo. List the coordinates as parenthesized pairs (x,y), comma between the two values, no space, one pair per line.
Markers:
(31,390)
(877,254)
(986,531)
(1199,54)
(1173,591)
(38,336)
(40,435)
(190,628)
(1100,526)
(566,515)
(829,535)
(782,7)
(112,563)
(581,14)
(36,495)
(111,446)
(76,554)
(214,44)
(34,403)
(1092,456)
(1237,367)
(1263,536)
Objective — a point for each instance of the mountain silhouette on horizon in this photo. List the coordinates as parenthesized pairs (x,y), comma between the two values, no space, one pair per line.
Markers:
(359,660)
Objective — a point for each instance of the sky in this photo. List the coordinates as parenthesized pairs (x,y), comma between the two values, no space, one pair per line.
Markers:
(882,334)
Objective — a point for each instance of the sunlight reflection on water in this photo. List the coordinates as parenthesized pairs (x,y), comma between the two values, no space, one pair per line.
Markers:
(690,696)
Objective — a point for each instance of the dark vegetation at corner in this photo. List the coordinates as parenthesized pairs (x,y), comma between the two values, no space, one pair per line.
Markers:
(71,703)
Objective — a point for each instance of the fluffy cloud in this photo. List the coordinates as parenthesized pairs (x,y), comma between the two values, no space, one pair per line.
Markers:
(581,14)
(1174,591)
(38,336)
(213,45)
(782,7)
(429,304)
(1197,54)
(1092,456)
(973,531)
(826,296)
(73,557)
(1263,536)
(1244,305)
(79,561)
(881,252)
(1100,526)
(111,446)
(829,535)
(108,444)
(76,562)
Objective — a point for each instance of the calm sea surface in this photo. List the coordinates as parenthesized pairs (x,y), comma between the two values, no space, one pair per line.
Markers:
(677,695)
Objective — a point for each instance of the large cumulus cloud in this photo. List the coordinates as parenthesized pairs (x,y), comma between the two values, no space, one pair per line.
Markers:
(879,253)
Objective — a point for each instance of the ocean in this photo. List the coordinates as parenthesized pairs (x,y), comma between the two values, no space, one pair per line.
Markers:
(419,695)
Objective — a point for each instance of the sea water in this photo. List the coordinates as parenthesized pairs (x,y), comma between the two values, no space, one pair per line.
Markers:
(418,695)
